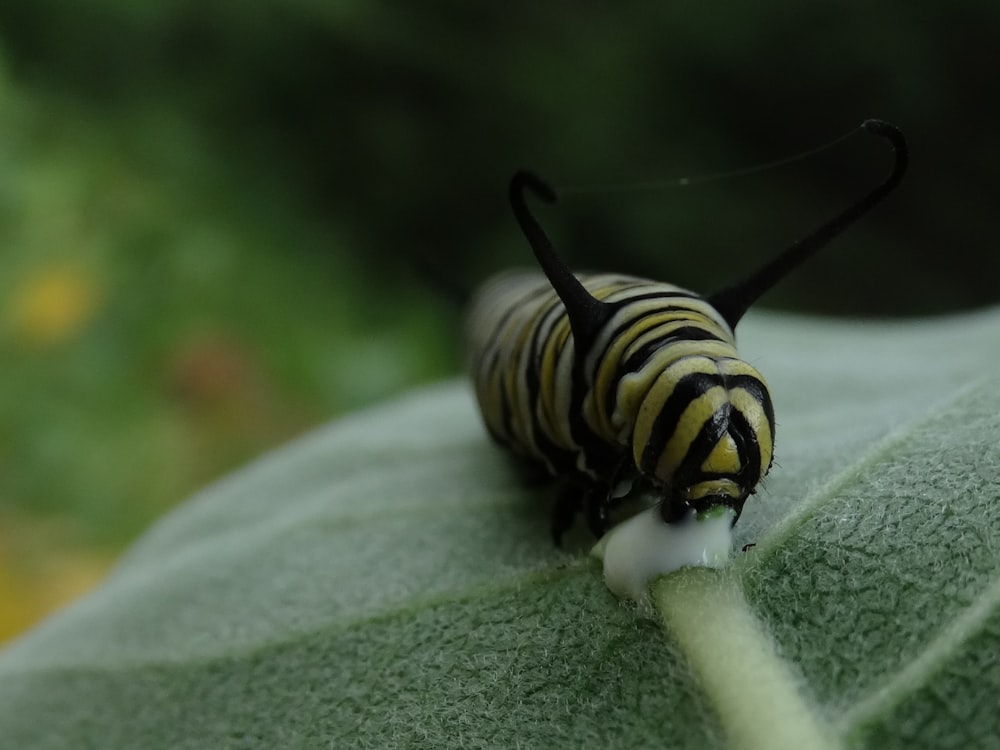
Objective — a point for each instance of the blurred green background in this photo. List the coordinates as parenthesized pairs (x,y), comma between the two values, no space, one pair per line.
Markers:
(212,213)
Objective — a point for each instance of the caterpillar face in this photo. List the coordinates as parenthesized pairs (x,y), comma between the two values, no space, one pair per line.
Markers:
(705,433)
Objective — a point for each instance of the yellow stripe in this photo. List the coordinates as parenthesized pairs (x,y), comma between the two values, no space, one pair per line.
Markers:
(693,418)
(647,328)
(736,366)
(513,345)
(549,385)
(724,457)
(688,320)
(680,359)
(646,394)
(598,415)
(744,402)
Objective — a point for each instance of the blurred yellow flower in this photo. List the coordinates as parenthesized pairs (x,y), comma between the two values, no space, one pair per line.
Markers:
(52,305)
(30,596)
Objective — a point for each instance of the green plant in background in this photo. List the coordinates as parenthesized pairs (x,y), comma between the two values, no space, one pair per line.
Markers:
(387,581)
(209,212)
(152,338)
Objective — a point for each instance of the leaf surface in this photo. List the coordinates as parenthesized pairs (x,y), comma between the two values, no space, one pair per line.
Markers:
(389,581)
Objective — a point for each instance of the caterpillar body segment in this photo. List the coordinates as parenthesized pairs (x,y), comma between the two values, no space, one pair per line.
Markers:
(660,396)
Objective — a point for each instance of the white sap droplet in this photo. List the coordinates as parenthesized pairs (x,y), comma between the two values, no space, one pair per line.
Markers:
(645,547)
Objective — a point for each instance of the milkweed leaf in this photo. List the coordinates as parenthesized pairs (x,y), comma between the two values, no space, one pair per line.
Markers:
(389,581)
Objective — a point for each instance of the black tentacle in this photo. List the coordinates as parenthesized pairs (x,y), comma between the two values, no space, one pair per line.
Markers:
(586,313)
(732,302)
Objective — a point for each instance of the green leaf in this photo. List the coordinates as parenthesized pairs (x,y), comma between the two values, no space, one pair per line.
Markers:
(387,581)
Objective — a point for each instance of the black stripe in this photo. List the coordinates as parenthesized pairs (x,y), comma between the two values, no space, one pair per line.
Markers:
(614,308)
(685,391)
(619,284)
(562,461)
(506,413)
(712,431)
(618,332)
(685,333)
(533,354)
(758,391)
(599,456)
(654,295)
(493,361)
(708,476)
(638,358)
(532,365)
(748,447)
(519,302)
(726,419)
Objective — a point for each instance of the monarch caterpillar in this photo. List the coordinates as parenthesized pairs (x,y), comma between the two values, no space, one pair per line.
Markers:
(621,385)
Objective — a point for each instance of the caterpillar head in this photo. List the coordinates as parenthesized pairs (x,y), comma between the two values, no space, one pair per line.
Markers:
(711,441)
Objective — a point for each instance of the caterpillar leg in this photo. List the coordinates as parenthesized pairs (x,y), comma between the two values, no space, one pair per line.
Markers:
(564,512)
(601,500)
(596,503)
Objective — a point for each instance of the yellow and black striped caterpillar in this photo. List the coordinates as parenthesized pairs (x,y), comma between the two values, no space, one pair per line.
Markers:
(613,382)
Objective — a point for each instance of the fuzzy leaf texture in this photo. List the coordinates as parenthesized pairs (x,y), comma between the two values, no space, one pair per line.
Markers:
(388,581)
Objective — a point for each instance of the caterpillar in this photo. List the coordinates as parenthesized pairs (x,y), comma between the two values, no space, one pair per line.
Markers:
(620,385)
